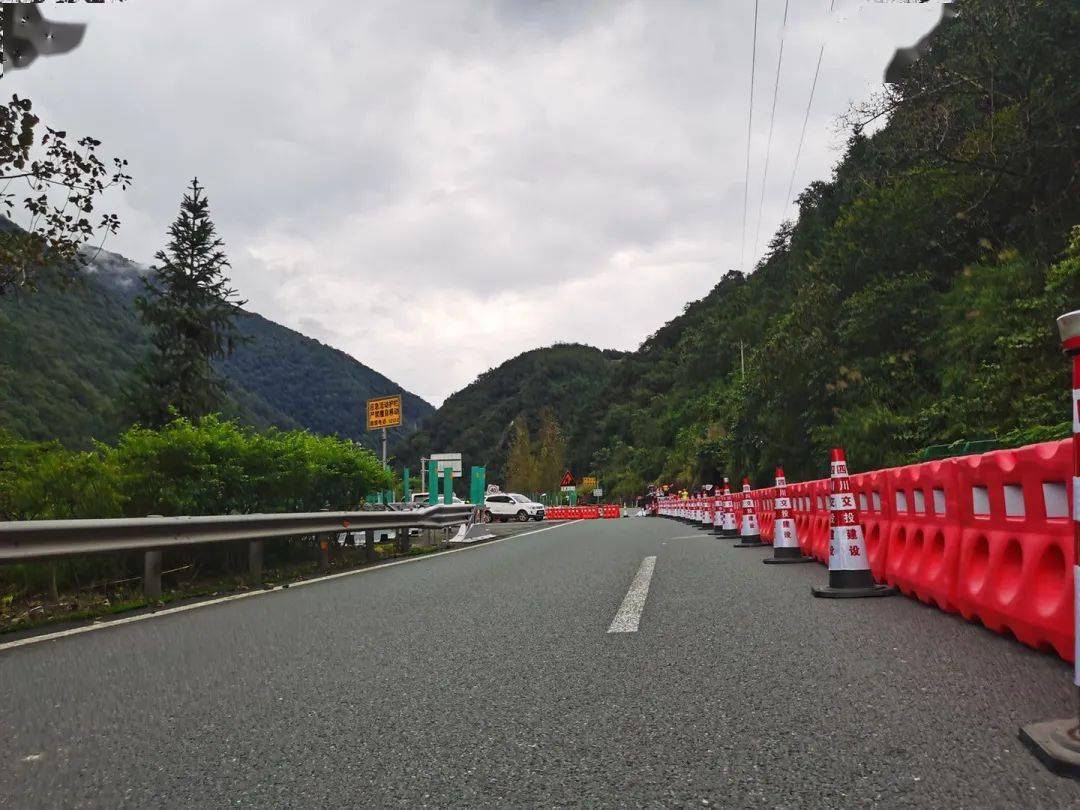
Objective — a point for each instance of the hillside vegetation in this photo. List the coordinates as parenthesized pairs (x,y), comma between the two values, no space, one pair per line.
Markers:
(478,421)
(912,302)
(68,352)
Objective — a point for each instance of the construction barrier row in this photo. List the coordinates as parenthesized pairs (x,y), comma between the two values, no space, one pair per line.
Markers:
(582,512)
(986,536)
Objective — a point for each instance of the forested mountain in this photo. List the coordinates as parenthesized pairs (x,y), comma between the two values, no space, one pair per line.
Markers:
(477,421)
(912,302)
(67,353)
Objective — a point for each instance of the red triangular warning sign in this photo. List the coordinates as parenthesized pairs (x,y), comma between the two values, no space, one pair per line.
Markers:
(567,479)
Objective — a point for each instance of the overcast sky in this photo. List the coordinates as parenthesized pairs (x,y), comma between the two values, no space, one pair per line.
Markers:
(437,186)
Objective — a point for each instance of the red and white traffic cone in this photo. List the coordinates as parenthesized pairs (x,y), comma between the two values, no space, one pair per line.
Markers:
(728,527)
(749,531)
(785,537)
(706,512)
(849,570)
(718,511)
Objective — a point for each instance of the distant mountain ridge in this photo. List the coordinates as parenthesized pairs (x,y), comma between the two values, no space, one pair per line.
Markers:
(571,378)
(67,353)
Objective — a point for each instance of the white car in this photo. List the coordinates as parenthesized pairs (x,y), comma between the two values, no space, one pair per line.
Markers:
(420,500)
(503,506)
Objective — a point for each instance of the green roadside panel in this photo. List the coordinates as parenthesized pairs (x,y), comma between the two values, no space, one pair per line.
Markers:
(448,486)
(479,484)
(406,489)
(433,482)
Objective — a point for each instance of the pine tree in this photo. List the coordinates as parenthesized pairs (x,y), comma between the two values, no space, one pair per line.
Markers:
(552,453)
(520,460)
(190,311)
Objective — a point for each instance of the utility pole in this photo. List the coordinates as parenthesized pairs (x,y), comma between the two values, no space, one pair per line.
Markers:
(384,447)
(742,366)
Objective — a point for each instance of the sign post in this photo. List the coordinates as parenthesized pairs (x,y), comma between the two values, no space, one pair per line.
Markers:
(569,486)
(383,413)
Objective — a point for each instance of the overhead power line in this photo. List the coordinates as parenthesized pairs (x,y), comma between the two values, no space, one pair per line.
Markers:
(806,119)
(749,134)
(772,121)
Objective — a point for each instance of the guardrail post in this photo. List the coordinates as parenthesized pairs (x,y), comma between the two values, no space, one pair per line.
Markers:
(255,561)
(404,540)
(324,553)
(369,544)
(152,575)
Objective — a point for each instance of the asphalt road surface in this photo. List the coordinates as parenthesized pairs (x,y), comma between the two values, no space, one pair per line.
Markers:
(489,677)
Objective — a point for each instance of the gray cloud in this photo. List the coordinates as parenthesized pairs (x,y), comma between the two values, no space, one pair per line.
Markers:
(450,183)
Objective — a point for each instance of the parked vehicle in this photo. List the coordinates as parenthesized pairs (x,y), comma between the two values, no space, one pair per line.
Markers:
(503,506)
(420,499)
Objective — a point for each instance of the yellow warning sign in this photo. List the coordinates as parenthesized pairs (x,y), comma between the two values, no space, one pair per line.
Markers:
(384,412)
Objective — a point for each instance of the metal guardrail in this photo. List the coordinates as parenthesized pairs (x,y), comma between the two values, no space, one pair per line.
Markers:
(40,539)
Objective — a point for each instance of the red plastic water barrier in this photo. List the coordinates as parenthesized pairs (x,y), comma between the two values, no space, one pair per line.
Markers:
(819,523)
(1016,549)
(583,512)
(797,493)
(988,536)
(767,513)
(874,500)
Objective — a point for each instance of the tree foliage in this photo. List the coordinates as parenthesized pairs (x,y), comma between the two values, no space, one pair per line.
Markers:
(521,468)
(191,313)
(550,453)
(205,467)
(64,182)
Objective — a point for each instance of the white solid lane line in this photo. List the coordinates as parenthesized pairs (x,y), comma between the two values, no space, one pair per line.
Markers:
(90,628)
(629,615)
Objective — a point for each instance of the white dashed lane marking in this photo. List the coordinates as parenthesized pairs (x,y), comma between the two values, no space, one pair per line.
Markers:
(629,615)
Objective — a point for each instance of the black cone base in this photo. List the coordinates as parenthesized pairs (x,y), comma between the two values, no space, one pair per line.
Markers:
(1057,745)
(787,555)
(750,542)
(851,585)
(830,592)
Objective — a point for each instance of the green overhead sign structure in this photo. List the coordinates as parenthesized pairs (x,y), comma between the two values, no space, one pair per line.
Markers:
(478,485)
(433,482)
(448,486)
